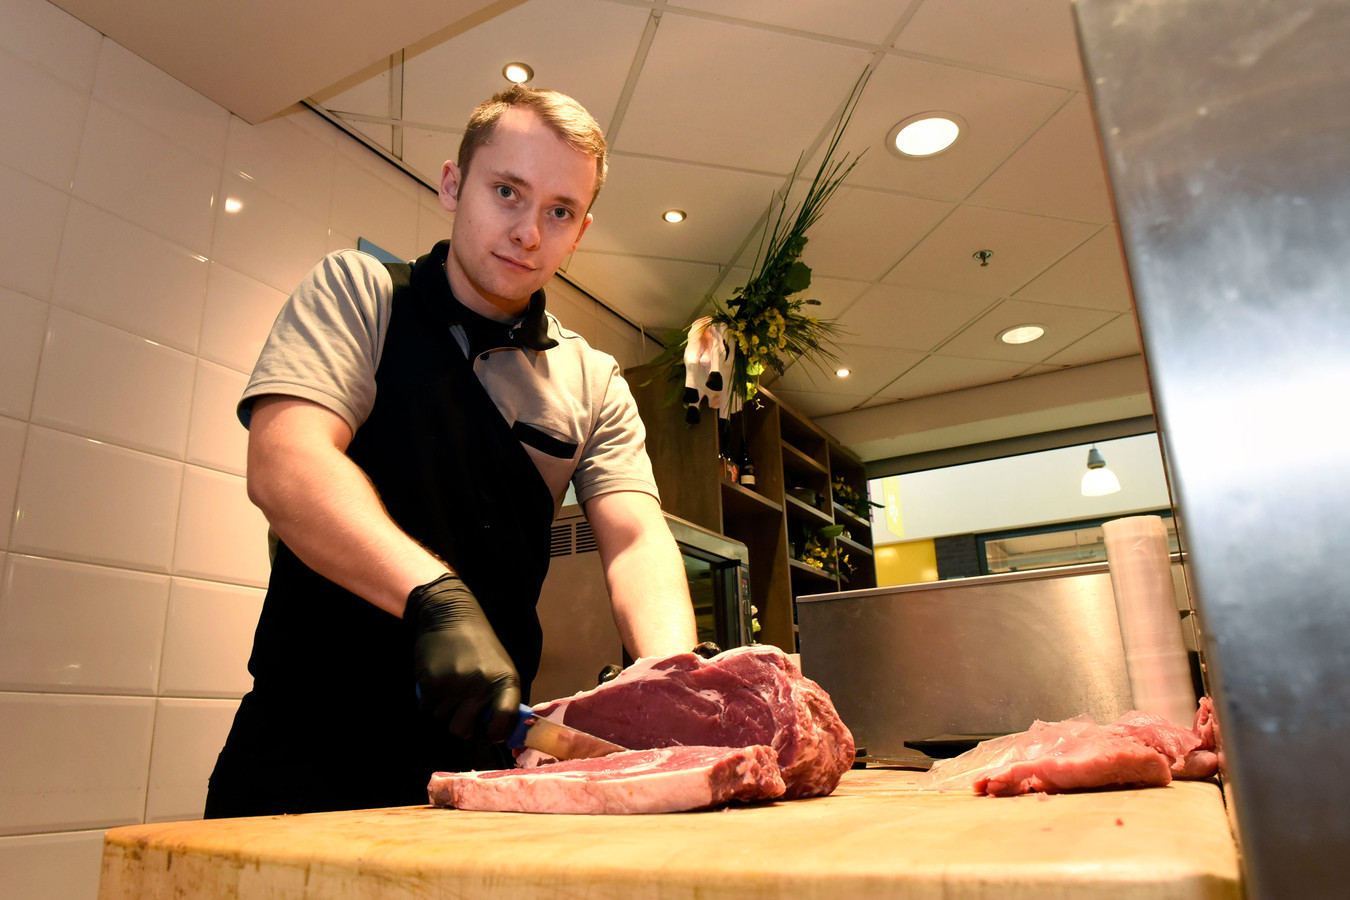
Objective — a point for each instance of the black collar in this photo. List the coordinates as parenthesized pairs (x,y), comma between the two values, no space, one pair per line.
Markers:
(530,332)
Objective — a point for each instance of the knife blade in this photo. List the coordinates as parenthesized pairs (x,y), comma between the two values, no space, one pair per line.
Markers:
(557,740)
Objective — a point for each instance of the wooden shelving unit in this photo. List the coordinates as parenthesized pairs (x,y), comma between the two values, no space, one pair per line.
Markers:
(795,465)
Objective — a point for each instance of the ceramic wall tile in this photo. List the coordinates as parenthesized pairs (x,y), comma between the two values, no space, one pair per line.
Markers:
(63,866)
(102,382)
(83,762)
(52,113)
(12,435)
(284,160)
(25,322)
(188,738)
(216,439)
(161,102)
(221,535)
(367,205)
(124,275)
(79,628)
(208,638)
(138,174)
(30,233)
(264,238)
(83,500)
(239,314)
(45,35)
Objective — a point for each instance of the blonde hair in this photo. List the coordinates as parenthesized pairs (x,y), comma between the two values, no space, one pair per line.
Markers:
(566,117)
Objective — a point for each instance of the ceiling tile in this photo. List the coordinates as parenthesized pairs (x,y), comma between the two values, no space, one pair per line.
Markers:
(813,404)
(1091,276)
(657,294)
(870,369)
(941,374)
(1023,247)
(735,96)
(911,318)
(424,152)
(583,48)
(1119,337)
(1034,38)
(723,206)
(862,234)
(1057,172)
(1063,325)
(869,21)
(1000,114)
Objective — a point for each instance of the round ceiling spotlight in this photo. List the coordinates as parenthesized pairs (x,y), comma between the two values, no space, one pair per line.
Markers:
(1021,334)
(674,216)
(517,72)
(842,373)
(925,134)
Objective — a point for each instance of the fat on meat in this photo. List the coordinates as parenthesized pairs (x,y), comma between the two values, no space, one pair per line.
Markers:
(739,698)
(1137,750)
(671,779)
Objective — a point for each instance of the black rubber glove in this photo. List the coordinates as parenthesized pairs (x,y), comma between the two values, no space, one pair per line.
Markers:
(707,649)
(464,676)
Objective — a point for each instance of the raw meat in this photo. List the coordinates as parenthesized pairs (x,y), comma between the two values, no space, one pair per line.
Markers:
(635,781)
(739,698)
(1138,750)
(1090,760)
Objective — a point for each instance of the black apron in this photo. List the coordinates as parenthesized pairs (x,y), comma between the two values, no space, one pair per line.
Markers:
(332,720)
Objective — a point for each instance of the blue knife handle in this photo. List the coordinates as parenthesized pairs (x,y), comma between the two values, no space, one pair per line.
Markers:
(517,738)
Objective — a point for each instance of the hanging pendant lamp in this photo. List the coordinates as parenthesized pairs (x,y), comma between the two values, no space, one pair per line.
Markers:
(1098,480)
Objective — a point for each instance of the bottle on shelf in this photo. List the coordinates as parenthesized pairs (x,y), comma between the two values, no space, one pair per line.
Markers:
(746,469)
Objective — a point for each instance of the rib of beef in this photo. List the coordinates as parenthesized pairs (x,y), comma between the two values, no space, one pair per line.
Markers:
(739,698)
(671,779)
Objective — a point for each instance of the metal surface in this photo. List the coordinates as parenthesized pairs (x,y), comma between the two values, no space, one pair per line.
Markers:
(986,655)
(562,742)
(1226,131)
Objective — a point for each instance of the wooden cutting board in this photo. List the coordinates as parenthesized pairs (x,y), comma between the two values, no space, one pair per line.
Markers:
(874,837)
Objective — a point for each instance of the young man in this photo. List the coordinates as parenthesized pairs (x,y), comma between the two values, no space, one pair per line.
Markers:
(412,431)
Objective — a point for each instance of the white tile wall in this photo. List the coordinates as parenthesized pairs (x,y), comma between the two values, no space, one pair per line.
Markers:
(12,436)
(239,314)
(81,763)
(208,638)
(188,737)
(132,307)
(84,500)
(138,174)
(221,535)
(124,275)
(30,242)
(50,866)
(105,383)
(79,628)
(25,322)
(216,438)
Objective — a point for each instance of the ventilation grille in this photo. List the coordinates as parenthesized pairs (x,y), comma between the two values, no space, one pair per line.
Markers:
(571,538)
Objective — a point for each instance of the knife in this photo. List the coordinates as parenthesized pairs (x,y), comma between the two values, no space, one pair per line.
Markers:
(557,740)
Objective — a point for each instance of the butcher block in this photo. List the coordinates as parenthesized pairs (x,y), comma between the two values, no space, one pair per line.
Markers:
(875,836)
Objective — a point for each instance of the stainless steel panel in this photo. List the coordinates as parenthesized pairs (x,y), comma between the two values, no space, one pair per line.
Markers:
(1226,131)
(986,655)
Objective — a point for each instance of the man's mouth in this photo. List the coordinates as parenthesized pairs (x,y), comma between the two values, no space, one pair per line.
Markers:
(515,263)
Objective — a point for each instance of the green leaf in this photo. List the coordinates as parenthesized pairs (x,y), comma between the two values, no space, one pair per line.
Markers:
(797,278)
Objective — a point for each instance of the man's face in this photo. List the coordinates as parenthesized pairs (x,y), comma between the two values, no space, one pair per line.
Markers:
(519,210)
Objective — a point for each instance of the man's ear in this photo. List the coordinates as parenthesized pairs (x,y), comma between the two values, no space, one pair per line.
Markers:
(585,223)
(450,183)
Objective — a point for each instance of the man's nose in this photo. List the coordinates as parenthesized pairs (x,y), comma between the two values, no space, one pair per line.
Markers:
(525,231)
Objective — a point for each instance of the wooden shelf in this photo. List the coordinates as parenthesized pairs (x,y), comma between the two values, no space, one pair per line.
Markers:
(789,451)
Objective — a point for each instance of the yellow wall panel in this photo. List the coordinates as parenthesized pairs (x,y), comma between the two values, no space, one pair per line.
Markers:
(908,562)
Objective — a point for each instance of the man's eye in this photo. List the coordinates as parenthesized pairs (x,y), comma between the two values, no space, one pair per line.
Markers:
(505,192)
(562,213)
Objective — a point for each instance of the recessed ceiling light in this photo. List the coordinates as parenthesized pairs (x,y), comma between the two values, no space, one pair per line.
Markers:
(842,373)
(1021,334)
(517,72)
(926,134)
(674,215)
(233,205)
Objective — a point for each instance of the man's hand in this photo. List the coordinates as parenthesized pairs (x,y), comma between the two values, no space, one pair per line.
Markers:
(464,676)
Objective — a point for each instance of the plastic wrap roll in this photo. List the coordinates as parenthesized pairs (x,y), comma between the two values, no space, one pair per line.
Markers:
(1150,623)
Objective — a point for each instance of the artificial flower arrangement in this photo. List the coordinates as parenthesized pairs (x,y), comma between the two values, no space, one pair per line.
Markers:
(851,500)
(819,553)
(765,325)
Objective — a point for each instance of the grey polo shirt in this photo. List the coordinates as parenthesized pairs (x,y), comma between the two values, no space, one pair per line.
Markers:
(325,347)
